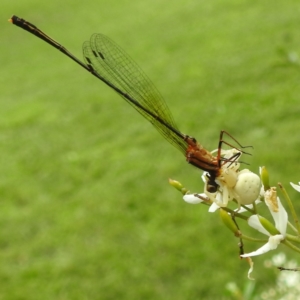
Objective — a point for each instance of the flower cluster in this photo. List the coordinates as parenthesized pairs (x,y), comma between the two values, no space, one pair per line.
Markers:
(237,197)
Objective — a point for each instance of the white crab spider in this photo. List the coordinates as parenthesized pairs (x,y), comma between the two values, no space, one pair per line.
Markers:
(243,186)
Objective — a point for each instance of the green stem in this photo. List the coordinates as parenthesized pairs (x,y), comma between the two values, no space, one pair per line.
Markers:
(292,227)
(290,245)
(293,238)
(235,214)
(248,238)
(252,211)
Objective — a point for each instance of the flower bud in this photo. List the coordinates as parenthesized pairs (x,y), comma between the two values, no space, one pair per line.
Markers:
(268,226)
(264,175)
(227,220)
(178,186)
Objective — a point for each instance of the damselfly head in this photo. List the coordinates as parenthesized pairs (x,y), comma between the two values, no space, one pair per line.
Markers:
(211,185)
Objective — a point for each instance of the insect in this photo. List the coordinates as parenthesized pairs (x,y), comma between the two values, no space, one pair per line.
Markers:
(112,65)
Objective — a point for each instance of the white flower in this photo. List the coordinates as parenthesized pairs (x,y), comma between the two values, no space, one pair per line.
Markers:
(194,198)
(295,186)
(280,217)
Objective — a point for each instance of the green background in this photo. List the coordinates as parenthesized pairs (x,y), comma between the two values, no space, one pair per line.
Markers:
(86,211)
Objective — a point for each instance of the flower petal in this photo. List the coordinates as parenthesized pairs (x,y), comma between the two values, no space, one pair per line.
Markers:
(275,240)
(272,244)
(295,186)
(254,222)
(280,218)
(192,199)
(213,207)
(271,199)
(265,248)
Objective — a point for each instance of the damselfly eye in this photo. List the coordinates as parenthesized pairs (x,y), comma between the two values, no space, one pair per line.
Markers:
(211,188)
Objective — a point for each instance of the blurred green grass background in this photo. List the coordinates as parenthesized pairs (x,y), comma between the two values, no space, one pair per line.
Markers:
(86,209)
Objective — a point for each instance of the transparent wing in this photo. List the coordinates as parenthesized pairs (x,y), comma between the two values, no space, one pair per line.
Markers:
(121,73)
